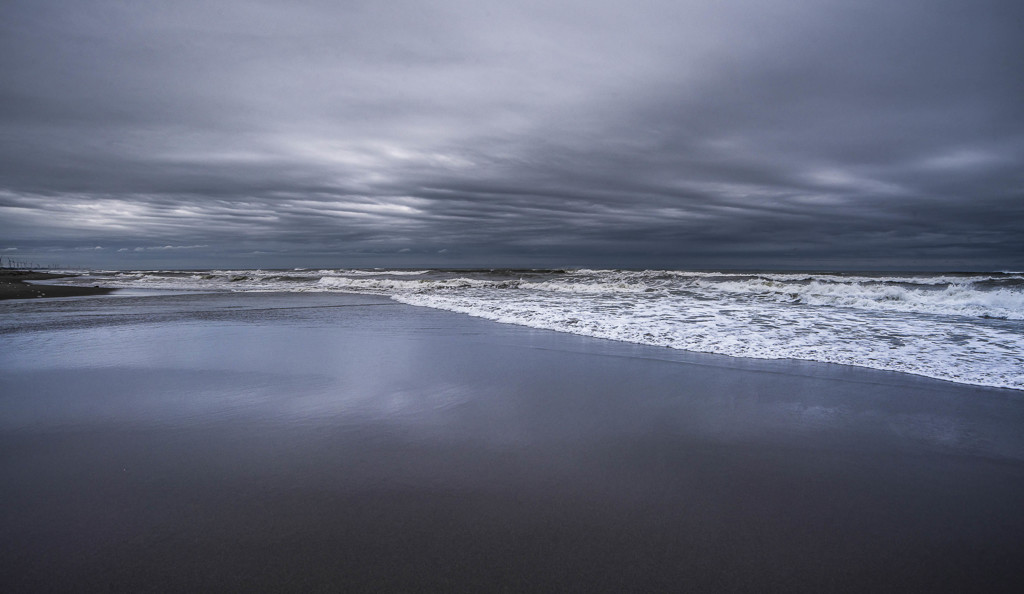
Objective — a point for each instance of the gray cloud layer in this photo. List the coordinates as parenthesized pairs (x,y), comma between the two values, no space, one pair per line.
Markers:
(648,134)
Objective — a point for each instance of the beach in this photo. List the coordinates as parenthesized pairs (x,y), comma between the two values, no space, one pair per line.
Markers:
(13,286)
(339,442)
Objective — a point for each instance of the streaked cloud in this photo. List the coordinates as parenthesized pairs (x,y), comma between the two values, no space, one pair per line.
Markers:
(646,134)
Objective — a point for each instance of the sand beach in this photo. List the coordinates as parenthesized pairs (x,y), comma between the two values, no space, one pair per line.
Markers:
(13,286)
(333,442)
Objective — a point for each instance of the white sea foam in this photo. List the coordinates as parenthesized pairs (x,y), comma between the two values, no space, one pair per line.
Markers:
(955,299)
(959,327)
(373,272)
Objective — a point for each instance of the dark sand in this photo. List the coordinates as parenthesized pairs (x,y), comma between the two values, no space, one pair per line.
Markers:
(13,286)
(349,443)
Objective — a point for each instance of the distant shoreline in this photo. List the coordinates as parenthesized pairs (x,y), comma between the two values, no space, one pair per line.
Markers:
(13,286)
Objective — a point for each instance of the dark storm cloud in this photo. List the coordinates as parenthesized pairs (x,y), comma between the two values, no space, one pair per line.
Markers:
(796,133)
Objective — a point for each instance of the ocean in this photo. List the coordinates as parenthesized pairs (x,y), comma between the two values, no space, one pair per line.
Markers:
(959,327)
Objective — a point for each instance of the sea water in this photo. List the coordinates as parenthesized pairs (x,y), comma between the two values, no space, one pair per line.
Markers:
(961,327)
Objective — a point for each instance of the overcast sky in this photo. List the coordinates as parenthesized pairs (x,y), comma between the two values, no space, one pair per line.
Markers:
(864,134)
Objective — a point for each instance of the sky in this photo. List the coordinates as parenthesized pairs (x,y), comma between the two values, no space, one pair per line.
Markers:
(815,134)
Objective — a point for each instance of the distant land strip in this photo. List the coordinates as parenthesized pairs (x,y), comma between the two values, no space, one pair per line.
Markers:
(13,286)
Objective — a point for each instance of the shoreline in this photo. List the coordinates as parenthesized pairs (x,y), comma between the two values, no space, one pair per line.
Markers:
(13,285)
(783,360)
(964,330)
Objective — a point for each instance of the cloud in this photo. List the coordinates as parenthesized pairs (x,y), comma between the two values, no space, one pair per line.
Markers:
(646,133)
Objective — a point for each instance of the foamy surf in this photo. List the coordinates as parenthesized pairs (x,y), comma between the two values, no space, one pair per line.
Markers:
(966,328)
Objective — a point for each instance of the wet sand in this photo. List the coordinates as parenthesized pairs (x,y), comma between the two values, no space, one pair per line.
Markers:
(13,286)
(338,442)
